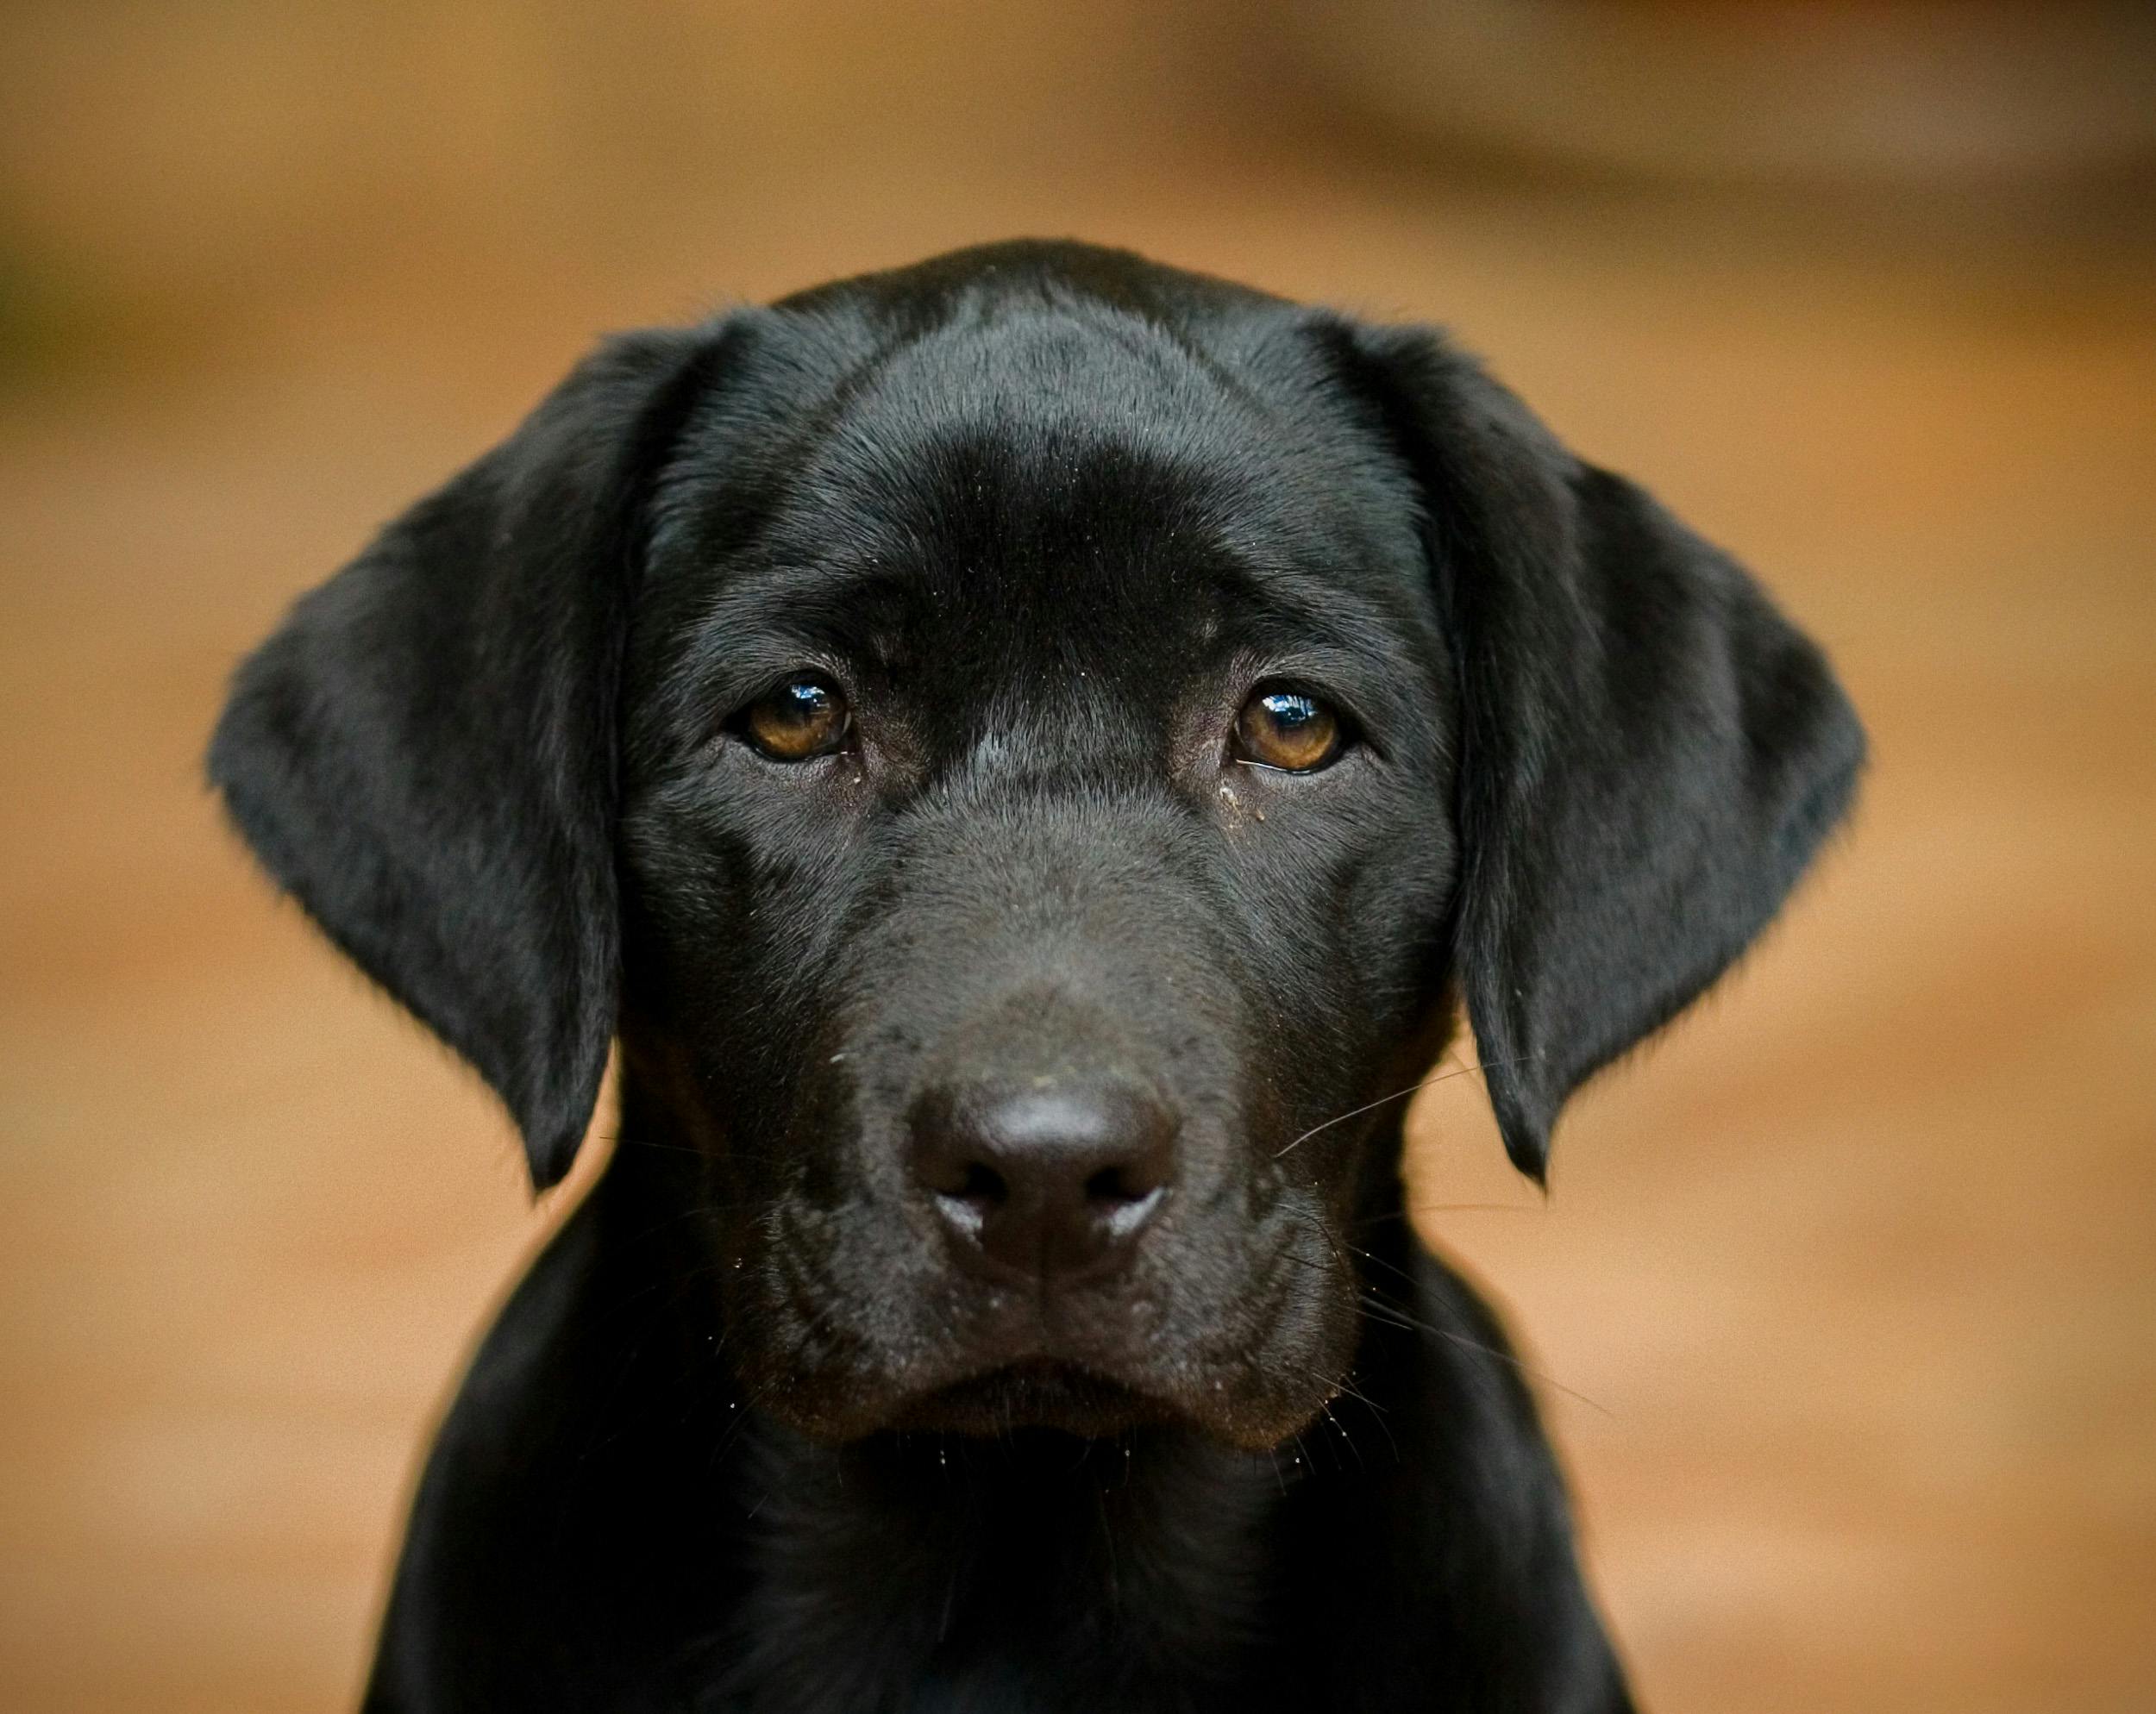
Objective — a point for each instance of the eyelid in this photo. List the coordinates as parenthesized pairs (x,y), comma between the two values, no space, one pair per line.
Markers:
(1317,690)
(741,694)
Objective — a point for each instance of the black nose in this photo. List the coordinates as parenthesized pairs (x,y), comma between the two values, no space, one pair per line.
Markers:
(1051,1180)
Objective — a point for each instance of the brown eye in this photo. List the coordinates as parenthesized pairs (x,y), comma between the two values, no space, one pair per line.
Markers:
(803,718)
(1287,730)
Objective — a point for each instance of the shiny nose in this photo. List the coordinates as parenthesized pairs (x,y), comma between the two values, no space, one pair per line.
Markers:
(1051,1180)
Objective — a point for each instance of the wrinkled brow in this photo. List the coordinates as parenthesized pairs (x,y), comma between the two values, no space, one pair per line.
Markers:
(759,624)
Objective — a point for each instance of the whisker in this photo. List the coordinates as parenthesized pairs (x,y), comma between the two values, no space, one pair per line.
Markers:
(1339,1383)
(1413,1208)
(1379,1318)
(742,1407)
(620,1142)
(1526,1368)
(1415,1323)
(1398,1094)
(1390,1267)
(1344,1434)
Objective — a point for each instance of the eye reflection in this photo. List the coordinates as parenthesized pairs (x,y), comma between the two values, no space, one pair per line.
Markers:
(1288,729)
(803,718)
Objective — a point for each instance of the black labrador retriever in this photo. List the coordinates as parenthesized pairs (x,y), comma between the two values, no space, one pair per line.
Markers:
(1027,754)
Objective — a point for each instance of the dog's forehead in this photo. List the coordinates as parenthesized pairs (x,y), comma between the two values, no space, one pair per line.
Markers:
(1051,465)
(1058,382)
(1060,462)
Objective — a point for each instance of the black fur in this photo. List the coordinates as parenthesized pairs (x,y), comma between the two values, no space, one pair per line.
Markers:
(760,1431)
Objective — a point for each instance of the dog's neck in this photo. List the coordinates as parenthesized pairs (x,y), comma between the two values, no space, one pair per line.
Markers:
(1001,1567)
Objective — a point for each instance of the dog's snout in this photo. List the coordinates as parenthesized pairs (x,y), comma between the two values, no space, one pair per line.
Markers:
(1051,1180)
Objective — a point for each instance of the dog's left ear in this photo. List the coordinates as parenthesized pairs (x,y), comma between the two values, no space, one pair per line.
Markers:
(424,754)
(1650,755)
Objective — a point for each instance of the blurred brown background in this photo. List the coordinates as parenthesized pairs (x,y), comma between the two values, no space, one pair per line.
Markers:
(1850,1284)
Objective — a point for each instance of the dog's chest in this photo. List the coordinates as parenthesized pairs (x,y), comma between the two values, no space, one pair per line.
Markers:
(1012,1587)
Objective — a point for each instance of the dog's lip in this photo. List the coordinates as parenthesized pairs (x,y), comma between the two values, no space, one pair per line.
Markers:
(1034,1391)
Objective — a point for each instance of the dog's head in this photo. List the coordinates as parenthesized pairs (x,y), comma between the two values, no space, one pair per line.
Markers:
(1024,751)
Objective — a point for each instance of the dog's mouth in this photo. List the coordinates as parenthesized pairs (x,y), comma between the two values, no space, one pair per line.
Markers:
(1038,1393)
(1239,1356)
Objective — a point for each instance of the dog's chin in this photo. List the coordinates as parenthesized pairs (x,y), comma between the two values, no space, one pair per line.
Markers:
(1045,1393)
(1035,1394)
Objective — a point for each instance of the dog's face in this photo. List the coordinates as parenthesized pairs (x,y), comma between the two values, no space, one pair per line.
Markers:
(1021,752)
(1034,828)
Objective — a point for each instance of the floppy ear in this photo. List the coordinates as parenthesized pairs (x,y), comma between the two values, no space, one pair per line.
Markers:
(1650,752)
(423,754)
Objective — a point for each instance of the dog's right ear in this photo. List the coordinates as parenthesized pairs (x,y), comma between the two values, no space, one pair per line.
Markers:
(424,753)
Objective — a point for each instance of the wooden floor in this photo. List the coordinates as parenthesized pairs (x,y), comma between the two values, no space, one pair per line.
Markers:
(1845,1293)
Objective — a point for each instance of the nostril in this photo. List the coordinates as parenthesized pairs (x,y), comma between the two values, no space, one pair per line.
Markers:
(958,1177)
(1114,1186)
(982,1186)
